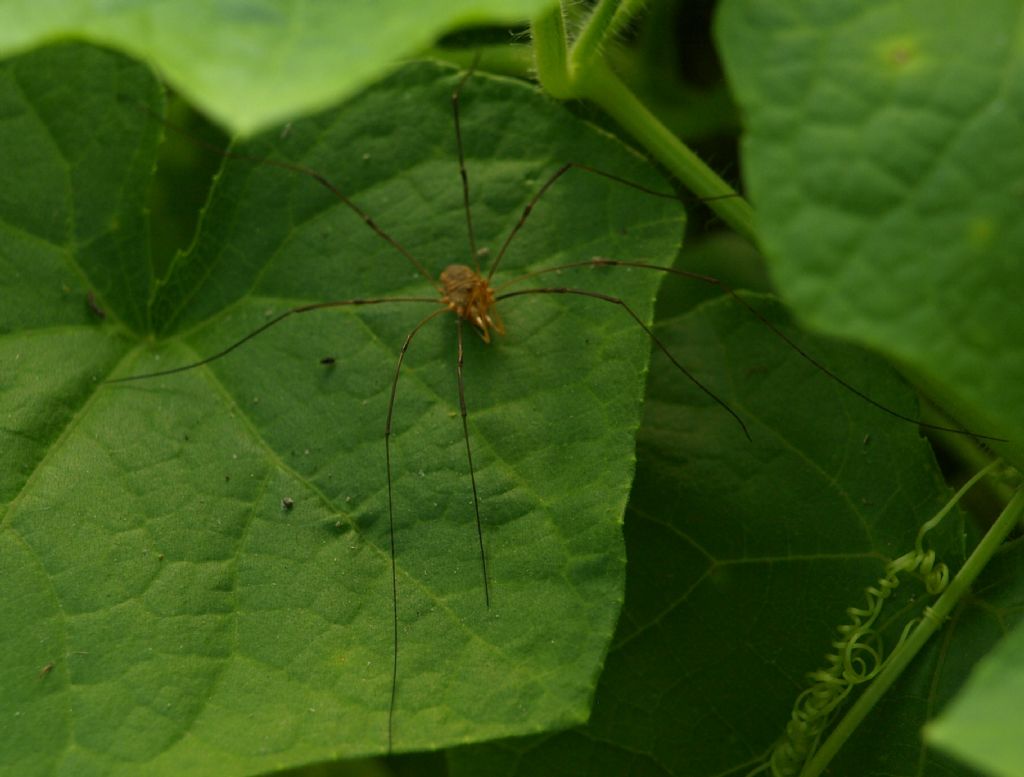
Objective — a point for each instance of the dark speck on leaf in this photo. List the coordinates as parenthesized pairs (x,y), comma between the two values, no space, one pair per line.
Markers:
(90,300)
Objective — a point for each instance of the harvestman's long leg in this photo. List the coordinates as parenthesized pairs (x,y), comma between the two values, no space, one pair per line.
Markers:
(387,439)
(539,193)
(650,333)
(391,509)
(276,320)
(391,514)
(458,368)
(458,365)
(528,209)
(469,456)
(462,164)
(319,178)
(601,262)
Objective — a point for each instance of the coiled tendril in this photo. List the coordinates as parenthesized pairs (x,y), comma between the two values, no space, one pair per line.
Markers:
(857,655)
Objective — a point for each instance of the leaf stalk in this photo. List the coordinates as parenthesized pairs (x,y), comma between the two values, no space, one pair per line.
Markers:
(582,73)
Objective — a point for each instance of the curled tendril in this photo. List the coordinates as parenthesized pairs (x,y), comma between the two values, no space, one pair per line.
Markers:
(858,655)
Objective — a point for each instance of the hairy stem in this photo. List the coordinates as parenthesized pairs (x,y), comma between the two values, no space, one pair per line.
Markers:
(593,35)
(551,54)
(589,77)
(624,14)
(605,88)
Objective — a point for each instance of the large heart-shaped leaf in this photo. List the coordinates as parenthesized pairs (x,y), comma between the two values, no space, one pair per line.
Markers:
(187,622)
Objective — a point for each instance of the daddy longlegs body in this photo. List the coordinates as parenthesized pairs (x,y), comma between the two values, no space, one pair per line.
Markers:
(470,292)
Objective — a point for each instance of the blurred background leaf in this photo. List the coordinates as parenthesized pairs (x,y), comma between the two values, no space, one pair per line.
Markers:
(882,152)
(253,64)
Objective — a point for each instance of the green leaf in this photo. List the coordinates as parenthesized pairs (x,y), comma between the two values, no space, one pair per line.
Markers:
(983,724)
(194,625)
(883,156)
(743,558)
(251,64)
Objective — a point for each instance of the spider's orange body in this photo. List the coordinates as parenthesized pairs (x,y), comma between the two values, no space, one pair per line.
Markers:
(470,297)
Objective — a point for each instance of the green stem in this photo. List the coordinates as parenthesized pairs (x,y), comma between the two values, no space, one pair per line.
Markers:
(603,87)
(933,618)
(588,44)
(551,54)
(624,14)
(595,81)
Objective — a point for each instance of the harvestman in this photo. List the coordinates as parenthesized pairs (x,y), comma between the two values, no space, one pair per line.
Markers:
(467,291)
